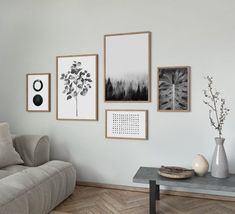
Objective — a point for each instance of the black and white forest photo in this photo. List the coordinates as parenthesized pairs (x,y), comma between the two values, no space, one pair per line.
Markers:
(127,67)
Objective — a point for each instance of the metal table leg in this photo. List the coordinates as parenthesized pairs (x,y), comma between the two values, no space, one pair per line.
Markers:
(153,195)
(157,192)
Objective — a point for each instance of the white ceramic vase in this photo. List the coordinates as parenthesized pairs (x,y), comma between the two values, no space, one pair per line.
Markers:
(200,165)
(219,166)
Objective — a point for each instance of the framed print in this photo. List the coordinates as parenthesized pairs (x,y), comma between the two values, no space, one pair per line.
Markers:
(127,124)
(38,92)
(174,88)
(127,65)
(77,87)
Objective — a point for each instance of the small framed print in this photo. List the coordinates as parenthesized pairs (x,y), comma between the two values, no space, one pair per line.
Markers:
(38,92)
(127,67)
(174,89)
(127,124)
(77,87)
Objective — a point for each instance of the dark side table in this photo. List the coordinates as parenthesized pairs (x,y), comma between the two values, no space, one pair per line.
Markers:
(149,175)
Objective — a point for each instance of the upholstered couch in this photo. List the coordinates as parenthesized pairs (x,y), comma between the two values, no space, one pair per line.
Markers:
(38,185)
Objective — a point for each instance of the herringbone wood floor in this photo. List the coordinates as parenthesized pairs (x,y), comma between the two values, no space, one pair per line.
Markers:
(91,200)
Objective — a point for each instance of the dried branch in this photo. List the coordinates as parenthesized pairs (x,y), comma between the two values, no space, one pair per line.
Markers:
(217,110)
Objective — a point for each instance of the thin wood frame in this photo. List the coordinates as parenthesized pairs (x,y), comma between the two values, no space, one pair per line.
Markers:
(149,66)
(188,86)
(96,82)
(126,110)
(49,92)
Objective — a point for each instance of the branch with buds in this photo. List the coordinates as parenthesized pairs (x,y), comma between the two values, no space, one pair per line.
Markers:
(216,104)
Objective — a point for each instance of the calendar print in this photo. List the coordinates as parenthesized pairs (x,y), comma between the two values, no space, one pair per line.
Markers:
(127,124)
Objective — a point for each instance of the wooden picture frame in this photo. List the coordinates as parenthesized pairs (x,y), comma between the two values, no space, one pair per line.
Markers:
(174,88)
(38,90)
(126,124)
(127,67)
(77,87)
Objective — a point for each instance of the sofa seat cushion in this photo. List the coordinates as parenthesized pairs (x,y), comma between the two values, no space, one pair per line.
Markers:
(9,170)
(37,190)
(3,174)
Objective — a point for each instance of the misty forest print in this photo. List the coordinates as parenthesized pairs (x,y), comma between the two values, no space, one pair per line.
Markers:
(126,90)
(127,67)
(173,88)
(77,82)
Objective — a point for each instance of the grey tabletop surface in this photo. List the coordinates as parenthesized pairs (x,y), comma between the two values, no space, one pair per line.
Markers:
(207,182)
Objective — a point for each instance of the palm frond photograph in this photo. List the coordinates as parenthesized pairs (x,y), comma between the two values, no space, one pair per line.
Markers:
(174,88)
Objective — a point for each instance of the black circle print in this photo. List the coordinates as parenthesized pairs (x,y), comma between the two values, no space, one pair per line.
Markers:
(37,85)
(37,100)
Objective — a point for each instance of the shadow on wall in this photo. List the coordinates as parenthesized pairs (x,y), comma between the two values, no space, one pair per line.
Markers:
(59,151)
(92,172)
(231,158)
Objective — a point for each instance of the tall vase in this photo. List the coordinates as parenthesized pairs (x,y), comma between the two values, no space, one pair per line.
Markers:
(219,166)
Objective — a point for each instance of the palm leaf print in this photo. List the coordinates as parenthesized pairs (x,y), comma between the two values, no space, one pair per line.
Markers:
(173,88)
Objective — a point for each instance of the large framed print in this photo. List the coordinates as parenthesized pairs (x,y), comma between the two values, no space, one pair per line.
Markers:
(126,124)
(77,87)
(127,67)
(38,92)
(174,89)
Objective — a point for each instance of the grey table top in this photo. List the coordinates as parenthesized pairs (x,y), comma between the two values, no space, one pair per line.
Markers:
(207,182)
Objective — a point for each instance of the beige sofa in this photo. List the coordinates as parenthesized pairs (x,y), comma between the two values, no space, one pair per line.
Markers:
(37,186)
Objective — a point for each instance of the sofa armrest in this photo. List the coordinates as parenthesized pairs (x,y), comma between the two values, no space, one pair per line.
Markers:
(33,149)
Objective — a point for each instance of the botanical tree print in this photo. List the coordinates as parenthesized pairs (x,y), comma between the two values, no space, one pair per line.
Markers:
(77,81)
(173,88)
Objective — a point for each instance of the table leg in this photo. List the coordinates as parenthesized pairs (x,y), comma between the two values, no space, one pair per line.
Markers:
(152,197)
(157,192)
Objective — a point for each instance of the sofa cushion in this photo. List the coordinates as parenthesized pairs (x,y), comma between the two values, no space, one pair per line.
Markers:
(9,170)
(3,174)
(37,190)
(8,154)
(33,149)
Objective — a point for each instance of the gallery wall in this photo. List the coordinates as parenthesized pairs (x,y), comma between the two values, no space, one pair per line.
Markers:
(199,34)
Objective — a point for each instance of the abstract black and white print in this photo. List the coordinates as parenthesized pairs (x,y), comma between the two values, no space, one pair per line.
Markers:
(37,87)
(173,88)
(38,92)
(127,69)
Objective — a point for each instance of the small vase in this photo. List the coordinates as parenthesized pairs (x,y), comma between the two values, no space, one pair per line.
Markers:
(200,165)
(219,166)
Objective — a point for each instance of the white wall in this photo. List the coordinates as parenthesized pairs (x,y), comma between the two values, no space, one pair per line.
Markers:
(197,33)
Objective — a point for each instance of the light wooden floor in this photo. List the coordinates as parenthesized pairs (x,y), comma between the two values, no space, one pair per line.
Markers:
(91,200)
